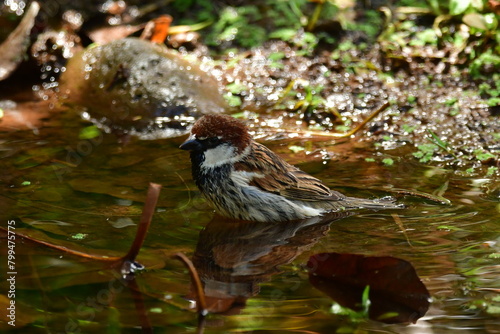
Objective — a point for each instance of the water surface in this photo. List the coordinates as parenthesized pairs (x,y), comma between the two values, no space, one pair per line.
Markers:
(87,194)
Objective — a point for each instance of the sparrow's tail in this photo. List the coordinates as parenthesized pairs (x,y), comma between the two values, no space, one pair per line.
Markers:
(387,202)
(352,203)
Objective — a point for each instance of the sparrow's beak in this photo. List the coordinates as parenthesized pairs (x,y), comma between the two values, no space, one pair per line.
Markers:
(191,144)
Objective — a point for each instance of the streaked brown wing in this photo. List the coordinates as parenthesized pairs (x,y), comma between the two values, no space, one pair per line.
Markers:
(281,178)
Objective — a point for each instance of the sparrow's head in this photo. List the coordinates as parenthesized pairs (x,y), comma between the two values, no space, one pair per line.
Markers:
(220,136)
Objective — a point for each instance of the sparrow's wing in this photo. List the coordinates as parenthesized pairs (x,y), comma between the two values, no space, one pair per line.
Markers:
(275,175)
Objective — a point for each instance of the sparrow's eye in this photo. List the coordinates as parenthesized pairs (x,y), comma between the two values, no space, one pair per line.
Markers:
(209,142)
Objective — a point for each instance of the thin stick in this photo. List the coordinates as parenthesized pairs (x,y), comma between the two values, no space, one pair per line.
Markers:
(147,215)
(195,278)
(347,134)
(431,197)
(65,249)
(357,128)
(401,227)
(139,305)
(314,18)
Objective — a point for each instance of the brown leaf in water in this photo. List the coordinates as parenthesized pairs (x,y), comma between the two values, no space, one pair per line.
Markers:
(396,293)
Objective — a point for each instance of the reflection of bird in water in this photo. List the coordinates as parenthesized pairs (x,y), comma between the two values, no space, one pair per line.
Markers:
(232,257)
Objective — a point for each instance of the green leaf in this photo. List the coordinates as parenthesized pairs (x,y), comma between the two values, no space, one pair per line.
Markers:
(284,34)
(458,7)
(276,56)
(342,128)
(236,88)
(365,299)
(89,132)
(276,65)
(493,102)
(483,156)
(233,101)
(387,138)
(426,152)
(296,149)
(434,4)
(425,37)
(388,162)
(408,128)
(436,140)
(79,236)
(491,170)
(451,101)
(491,21)
(418,154)
(157,310)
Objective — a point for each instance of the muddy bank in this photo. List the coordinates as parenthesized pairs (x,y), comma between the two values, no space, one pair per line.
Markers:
(440,117)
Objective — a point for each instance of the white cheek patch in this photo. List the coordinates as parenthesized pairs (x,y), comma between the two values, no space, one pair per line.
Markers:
(218,156)
(222,154)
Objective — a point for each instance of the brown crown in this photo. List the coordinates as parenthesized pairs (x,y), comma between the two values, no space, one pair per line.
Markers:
(224,126)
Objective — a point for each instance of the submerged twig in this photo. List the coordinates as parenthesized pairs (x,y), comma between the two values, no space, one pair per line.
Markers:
(66,249)
(401,227)
(360,125)
(351,132)
(435,198)
(147,215)
(140,307)
(187,188)
(201,304)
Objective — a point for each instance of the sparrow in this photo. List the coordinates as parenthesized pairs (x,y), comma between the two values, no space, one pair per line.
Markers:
(243,179)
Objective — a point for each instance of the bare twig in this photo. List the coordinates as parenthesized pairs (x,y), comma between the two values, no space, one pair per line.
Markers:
(435,198)
(346,134)
(147,215)
(357,127)
(65,249)
(195,278)
(401,227)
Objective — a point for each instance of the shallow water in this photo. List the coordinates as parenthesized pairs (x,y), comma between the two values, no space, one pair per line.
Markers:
(87,194)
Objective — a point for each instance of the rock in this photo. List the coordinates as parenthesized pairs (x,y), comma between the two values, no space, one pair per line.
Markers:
(136,87)
(13,49)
